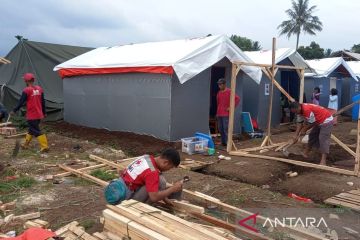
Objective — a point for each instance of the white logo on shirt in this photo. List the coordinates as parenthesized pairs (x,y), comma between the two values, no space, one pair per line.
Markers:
(137,167)
(35,92)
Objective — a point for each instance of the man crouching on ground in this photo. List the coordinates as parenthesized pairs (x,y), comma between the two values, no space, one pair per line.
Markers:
(320,121)
(142,180)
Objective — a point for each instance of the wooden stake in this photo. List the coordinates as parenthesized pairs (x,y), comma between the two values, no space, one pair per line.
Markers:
(295,162)
(119,166)
(234,71)
(343,145)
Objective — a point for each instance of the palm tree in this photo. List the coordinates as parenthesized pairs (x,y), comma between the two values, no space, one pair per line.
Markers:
(301,20)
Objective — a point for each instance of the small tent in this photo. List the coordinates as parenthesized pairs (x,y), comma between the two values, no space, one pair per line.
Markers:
(257,96)
(39,58)
(331,73)
(161,89)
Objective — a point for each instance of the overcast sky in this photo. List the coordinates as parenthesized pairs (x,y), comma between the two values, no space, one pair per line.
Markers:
(95,23)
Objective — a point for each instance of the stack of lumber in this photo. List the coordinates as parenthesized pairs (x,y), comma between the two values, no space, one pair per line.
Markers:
(193,165)
(73,231)
(7,131)
(349,199)
(139,221)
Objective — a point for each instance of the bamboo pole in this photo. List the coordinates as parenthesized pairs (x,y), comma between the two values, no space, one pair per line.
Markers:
(232,107)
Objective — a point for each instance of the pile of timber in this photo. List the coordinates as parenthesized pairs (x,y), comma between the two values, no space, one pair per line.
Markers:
(139,221)
(73,231)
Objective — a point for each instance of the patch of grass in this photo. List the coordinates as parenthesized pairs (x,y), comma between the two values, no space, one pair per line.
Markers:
(103,175)
(9,190)
(87,223)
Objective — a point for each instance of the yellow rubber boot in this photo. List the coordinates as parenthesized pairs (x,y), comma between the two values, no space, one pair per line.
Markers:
(28,139)
(43,143)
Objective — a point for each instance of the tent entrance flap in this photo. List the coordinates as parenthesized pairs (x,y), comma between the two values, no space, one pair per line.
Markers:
(216,74)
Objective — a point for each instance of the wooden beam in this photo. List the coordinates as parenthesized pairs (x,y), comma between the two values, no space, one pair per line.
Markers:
(16,135)
(119,166)
(5,124)
(65,174)
(232,227)
(357,156)
(234,71)
(84,175)
(299,163)
(293,232)
(265,65)
(186,207)
(254,149)
(343,145)
(346,108)
(302,78)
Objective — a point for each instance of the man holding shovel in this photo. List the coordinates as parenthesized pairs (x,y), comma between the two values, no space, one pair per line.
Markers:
(320,121)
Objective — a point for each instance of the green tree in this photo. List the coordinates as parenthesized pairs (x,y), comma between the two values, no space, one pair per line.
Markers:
(245,44)
(300,20)
(314,51)
(328,52)
(356,48)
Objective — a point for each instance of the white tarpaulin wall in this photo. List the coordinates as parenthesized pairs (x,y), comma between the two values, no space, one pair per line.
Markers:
(186,58)
(355,67)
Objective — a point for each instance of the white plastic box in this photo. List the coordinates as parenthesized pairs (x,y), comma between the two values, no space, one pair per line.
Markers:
(194,145)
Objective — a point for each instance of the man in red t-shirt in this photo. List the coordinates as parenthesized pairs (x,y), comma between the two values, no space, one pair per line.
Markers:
(144,181)
(33,96)
(320,121)
(223,108)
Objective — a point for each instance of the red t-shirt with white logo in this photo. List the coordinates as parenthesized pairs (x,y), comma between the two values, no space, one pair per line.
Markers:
(223,102)
(316,114)
(34,102)
(142,171)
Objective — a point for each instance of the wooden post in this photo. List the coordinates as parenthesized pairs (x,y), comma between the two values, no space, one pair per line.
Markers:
(301,96)
(272,75)
(357,157)
(232,107)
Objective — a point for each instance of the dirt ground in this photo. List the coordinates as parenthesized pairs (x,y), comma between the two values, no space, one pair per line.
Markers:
(243,182)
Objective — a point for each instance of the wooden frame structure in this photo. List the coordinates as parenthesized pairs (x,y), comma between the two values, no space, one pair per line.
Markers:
(270,71)
(4,61)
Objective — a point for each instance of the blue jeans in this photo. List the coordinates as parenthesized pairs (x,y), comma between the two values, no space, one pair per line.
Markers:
(223,123)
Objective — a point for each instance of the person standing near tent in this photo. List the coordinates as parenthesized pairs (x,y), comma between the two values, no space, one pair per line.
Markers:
(143,181)
(3,113)
(223,109)
(316,96)
(333,99)
(320,121)
(33,96)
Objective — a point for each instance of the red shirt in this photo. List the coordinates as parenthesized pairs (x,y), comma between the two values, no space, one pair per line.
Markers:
(316,114)
(142,171)
(223,102)
(34,102)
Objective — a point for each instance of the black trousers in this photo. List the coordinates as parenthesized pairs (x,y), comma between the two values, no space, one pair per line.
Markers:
(34,127)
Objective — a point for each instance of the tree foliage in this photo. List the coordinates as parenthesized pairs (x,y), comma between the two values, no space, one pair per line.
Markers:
(245,44)
(301,19)
(314,51)
(356,48)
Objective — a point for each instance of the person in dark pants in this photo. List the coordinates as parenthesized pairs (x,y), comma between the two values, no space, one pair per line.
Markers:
(223,108)
(33,96)
(3,113)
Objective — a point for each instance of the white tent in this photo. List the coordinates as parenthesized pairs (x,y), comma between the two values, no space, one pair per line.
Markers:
(186,58)
(355,67)
(324,67)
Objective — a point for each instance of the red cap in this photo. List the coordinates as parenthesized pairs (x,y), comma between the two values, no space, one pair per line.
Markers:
(28,77)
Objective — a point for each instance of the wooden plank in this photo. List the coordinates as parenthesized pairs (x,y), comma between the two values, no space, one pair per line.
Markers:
(194,165)
(228,226)
(265,65)
(81,233)
(347,200)
(16,135)
(65,228)
(355,192)
(253,149)
(234,72)
(65,174)
(295,162)
(120,166)
(168,216)
(357,156)
(335,202)
(100,236)
(5,124)
(28,216)
(343,145)
(350,196)
(187,207)
(84,175)
(293,232)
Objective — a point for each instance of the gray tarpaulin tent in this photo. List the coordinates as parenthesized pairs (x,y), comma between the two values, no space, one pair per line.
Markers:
(40,59)
(257,96)
(160,89)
